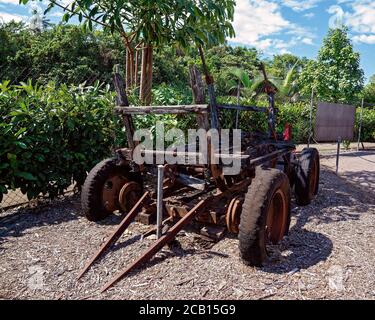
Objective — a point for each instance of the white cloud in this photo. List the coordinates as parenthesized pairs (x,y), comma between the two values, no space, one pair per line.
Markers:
(368,39)
(7,17)
(301,5)
(309,15)
(255,19)
(10,1)
(308,41)
(256,22)
(56,14)
(360,19)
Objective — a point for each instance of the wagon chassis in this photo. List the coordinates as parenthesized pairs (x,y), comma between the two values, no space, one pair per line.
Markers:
(199,193)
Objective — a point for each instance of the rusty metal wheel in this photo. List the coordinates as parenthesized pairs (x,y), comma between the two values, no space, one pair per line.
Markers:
(103,185)
(111,190)
(129,195)
(307,176)
(277,217)
(233,214)
(265,216)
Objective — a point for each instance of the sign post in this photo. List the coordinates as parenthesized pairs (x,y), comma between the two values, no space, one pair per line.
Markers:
(338,154)
(159,208)
(360,125)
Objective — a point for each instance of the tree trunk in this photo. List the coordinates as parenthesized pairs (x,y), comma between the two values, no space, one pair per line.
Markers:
(129,69)
(135,78)
(143,75)
(150,59)
(146,75)
(127,72)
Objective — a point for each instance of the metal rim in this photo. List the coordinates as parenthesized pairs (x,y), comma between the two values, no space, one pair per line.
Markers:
(233,215)
(276,218)
(110,192)
(129,195)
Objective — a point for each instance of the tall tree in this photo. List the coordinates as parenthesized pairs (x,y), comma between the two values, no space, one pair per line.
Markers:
(336,75)
(144,25)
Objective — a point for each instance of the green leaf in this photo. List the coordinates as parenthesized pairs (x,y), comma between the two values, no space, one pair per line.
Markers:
(4,165)
(65,17)
(21,144)
(25,175)
(3,189)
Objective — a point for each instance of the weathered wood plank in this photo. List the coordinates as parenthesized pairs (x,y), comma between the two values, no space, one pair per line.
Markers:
(122,100)
(162,109)
(242,108)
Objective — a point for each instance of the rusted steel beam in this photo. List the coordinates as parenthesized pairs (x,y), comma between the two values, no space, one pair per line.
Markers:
(160,243)
(271,156)
(154,228)
(116,234)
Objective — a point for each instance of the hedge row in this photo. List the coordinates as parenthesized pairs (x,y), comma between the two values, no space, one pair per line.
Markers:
(51,136)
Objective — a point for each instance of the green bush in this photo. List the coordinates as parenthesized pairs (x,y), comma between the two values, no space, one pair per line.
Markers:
(50,136)
(368,124)
(296,114)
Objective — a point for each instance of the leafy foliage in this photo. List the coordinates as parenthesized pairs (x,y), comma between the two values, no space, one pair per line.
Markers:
(369,91)
(50,136)
(64,54)
(336,76)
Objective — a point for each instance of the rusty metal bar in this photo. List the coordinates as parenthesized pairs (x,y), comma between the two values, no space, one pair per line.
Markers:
(271,156)
(116,234)
(154,228)
(160,243)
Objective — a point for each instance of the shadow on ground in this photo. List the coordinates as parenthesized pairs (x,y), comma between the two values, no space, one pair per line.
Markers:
(337,201)
(50,213)
(306,248)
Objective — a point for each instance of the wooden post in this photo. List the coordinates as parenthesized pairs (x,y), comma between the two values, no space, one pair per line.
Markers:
(122,100)
(211,93)
(198,91)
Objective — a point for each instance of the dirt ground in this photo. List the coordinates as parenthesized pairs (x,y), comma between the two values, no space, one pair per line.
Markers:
(360,172)
(329,253)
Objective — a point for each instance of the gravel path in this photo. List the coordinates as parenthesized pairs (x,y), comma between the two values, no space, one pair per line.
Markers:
(357,168)
(328,254)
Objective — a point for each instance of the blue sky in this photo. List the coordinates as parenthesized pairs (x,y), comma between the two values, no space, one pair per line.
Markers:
(278,26)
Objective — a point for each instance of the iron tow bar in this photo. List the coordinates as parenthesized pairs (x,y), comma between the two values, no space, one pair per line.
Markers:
(116,234)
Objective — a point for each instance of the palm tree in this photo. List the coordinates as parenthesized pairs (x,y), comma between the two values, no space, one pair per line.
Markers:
(242,83)
(285,88)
